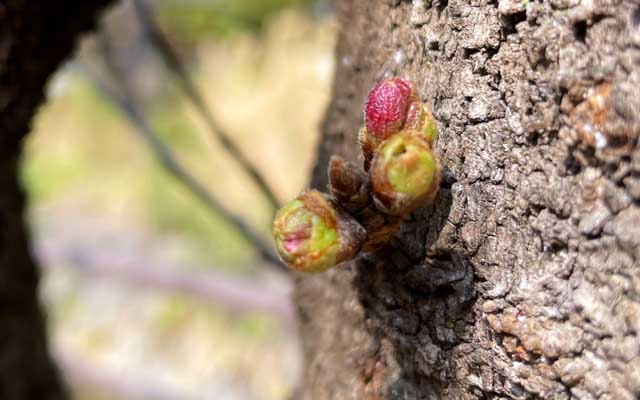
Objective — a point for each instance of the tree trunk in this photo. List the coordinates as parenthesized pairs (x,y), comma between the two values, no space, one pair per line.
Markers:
(522,281)
(35,36)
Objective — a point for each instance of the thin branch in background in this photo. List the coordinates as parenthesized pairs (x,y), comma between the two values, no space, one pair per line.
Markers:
(161,44)
(163,153)
(121,383)
(84,373)
(237,295)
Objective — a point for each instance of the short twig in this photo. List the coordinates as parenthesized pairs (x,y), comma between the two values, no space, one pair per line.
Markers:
(161,44)
(166,158)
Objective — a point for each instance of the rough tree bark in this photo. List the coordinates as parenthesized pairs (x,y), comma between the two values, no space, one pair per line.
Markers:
(522,281)
(35,36)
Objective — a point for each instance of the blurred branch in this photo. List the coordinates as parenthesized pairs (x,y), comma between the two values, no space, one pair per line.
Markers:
(161,44)
(84,374)
(163,154)
(233,294)
(119,383)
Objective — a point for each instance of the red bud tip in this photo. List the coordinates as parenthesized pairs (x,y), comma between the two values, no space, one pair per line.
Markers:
(386,106)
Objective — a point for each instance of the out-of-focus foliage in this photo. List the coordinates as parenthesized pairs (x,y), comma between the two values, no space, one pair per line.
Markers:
(84,149)
(85,167)
(198,18)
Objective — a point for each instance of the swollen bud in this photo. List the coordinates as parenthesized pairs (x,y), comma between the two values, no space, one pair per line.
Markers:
(393,106)
(348,184)
(312,233)
(386,107)
(419,119)
(404,174)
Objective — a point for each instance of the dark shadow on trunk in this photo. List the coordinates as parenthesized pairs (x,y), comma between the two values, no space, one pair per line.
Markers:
(35,37)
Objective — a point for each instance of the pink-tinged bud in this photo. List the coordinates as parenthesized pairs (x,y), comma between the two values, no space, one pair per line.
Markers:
(386,107)
(312,233)
(404,174)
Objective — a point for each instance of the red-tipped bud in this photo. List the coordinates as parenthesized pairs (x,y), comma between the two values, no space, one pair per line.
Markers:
(312,233)
(386,107)
(404,174)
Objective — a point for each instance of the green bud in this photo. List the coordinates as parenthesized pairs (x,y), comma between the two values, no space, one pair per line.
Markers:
(312,233)
(420,119)
(404,173)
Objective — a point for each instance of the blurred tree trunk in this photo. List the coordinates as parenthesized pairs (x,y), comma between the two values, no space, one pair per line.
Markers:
(35,36)
(522,281)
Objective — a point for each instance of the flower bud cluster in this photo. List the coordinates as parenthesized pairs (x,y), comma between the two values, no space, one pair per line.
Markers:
(365,207)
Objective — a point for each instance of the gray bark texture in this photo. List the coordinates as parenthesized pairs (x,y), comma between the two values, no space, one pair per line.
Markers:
(522,280)
(35,36)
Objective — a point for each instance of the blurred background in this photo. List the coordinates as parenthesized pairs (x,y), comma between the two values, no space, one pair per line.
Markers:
(151,292)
